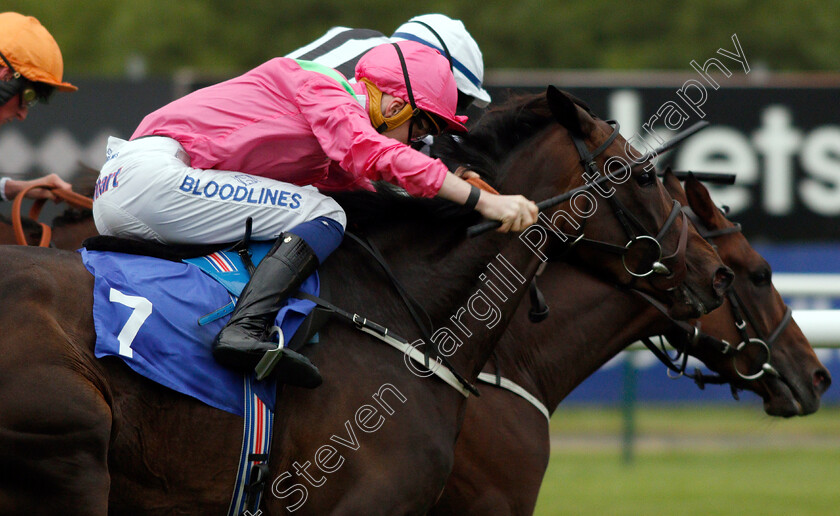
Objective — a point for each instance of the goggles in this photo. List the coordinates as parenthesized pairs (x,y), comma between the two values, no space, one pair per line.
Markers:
(30,92)
(425,124)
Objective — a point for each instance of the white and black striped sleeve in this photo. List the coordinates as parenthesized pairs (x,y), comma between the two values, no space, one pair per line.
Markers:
(340,48)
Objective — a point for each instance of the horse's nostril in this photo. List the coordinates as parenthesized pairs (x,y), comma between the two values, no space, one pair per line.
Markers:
(723,280)
(822,380)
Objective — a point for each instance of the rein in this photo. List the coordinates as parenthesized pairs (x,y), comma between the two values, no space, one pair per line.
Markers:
(72,198)
(678,138)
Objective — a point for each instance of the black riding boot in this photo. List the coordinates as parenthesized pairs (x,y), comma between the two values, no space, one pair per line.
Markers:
(242,342)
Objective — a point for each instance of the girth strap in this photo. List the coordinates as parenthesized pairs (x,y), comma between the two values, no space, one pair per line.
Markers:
(252,472)
(508,385)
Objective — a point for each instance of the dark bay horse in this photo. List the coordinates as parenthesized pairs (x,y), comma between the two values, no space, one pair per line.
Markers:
(85,436)
(503,449)
(71,228)
(68,230)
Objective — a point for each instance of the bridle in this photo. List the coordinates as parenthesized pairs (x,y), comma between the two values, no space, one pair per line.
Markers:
(743,318)
(694,335)
(742,315)
(635,230)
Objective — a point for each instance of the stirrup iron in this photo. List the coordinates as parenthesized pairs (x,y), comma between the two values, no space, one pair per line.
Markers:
(270,359)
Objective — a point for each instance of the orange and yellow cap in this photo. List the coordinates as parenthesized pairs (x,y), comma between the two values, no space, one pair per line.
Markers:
(32,50)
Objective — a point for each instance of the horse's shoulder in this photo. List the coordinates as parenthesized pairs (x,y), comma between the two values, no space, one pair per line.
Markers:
(40,271)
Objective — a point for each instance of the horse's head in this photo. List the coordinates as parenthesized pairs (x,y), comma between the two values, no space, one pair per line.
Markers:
(771,356)
(625,225)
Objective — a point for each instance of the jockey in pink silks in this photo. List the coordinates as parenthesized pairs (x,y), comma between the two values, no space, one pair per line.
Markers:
(252,146)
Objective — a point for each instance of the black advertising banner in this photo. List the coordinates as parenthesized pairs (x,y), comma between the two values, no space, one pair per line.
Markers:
(782,142)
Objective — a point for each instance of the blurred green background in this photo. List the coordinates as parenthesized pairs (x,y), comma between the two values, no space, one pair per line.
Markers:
(159,37)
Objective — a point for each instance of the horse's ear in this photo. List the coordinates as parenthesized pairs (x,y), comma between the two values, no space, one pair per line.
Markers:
(564,110)
(700,201)
(673,186)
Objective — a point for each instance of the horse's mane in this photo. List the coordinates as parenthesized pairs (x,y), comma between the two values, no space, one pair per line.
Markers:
(71,216)
(389,205)
(497,133)
(501,130)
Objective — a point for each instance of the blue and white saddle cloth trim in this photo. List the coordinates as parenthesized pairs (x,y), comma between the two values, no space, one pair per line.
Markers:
(256,448)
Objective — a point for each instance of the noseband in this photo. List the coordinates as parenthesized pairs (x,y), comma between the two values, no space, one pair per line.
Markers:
(635,230)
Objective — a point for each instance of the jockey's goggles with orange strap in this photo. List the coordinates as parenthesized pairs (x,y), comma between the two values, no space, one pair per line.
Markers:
(428,123)
(30,92)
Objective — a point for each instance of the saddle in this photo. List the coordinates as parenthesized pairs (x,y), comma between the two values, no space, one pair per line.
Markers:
(318,310)
(194,253)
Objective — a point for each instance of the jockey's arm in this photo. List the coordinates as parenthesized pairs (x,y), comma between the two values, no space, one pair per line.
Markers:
(515,212)
(9,188)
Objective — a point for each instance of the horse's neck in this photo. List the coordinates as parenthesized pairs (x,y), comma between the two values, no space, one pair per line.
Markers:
(68,235)
(470,290)
(7,236)
(589,323)
(501,285)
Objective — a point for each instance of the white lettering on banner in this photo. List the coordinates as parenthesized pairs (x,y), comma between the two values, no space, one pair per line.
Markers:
(626,107)
(769,156)
(821,160)
(777,141)
(723,149)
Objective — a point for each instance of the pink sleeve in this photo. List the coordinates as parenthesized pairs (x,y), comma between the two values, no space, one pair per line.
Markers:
(345,133)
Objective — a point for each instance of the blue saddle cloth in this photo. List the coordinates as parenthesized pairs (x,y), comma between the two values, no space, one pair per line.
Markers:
(146,311)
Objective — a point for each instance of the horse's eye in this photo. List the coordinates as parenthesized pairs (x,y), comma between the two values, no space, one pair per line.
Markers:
(646,178)
(761,277)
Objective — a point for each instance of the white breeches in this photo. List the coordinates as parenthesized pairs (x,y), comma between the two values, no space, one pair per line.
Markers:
(148,190)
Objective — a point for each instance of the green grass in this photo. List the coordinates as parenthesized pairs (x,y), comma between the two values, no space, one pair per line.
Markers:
(749,464)
(745,419)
